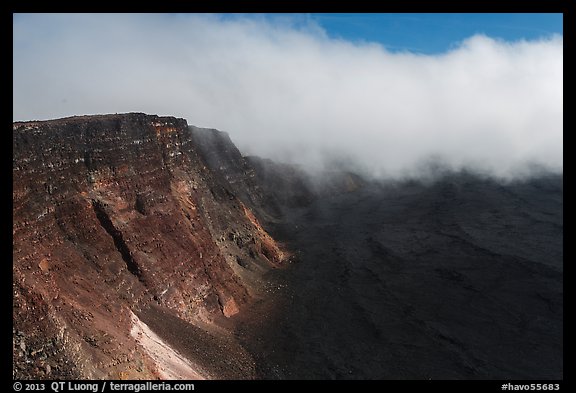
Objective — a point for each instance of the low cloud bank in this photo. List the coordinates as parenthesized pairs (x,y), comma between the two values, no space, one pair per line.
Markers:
(287,91)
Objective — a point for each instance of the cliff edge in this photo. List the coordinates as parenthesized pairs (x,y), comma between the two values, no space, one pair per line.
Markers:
(119,222)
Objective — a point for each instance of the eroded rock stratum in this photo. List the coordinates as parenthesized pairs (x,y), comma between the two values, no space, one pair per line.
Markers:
(147,248)
(119,224)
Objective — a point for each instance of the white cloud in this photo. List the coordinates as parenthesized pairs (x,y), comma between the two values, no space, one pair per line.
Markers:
(287,91)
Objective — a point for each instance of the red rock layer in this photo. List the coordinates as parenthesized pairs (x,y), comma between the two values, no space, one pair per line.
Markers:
(113,214)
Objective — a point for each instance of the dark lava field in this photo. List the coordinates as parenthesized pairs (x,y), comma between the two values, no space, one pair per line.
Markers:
(458,279)
(144,248)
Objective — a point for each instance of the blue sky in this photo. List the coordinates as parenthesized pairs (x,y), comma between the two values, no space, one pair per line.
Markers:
(434,33)
(478,90)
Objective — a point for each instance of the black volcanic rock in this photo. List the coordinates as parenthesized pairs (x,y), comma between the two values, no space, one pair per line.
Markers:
(264,185)
(284,185)
(224,159)
(458,279)
(144,248)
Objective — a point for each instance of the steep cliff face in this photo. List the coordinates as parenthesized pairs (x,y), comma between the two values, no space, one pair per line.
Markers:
(139,251)
(119,222)
(266,186)
(224,160)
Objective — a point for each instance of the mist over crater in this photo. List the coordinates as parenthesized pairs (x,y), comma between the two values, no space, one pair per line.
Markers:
(286,89)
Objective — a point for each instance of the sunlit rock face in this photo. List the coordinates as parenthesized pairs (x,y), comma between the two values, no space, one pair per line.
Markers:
(147,248)
(112,215)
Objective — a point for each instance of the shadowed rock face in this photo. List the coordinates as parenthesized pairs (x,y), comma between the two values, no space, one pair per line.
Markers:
(144,248)
(117,213)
